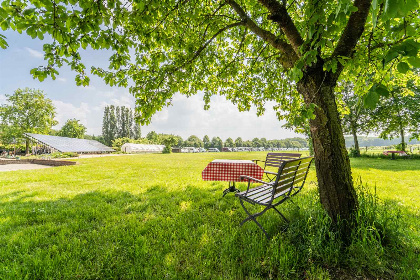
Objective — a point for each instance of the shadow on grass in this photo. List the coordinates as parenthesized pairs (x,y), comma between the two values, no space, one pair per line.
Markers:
(188,233)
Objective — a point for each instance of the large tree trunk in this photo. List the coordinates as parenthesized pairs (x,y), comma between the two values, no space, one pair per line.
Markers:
(336,190)
(356,141)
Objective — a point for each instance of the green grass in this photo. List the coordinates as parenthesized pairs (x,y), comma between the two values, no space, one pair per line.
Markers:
(152,217)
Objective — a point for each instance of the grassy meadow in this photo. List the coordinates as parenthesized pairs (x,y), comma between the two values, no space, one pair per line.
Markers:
(151,216)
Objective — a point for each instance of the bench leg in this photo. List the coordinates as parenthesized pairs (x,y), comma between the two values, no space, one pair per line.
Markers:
(287,221)
(253,216)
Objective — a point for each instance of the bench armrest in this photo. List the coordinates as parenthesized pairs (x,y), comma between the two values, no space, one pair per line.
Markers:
(249,178)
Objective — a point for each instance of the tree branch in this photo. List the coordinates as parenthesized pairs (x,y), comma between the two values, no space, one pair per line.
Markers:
(353,30)
(288,53)
(197,53)
(279,15)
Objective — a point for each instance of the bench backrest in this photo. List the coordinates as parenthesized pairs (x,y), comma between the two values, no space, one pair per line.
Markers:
(292,175)
(276,159)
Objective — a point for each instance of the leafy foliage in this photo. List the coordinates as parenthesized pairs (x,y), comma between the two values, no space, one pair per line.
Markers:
(399,115)
(73,129)
(191,46)
(26,111)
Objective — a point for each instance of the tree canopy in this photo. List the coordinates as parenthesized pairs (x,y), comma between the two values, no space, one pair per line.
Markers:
(26,111)
(73,129)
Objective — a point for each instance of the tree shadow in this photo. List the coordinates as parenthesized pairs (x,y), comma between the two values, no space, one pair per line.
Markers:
(190,232)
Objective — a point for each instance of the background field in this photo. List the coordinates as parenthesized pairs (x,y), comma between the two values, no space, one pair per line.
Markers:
(151,216)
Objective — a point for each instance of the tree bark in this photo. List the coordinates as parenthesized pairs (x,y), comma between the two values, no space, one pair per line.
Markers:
(356,141)
(335,183)
(402,138)
(27,146)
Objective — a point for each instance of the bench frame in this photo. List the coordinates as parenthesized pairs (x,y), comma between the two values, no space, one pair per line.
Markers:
(288,182)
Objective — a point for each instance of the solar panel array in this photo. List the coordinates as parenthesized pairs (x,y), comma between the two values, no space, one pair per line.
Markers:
(66,144)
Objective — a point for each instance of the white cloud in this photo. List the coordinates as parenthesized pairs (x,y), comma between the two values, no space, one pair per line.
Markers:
(187,117)
(67,111)
(34,53)
(63,80)
(2,99)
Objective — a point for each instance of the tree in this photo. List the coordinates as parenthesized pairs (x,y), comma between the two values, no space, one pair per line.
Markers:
(355,117)
(217,142)
(169,142)
(73,129)
(296,144)
(109,125)
(118,122)
(398,116)
(153,137)
(206,142)
(229,143)
(27,111)
(290,52)
(239,142)
(194,141)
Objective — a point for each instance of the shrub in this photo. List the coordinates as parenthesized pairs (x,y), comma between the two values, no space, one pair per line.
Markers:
(354,153)
(62,155)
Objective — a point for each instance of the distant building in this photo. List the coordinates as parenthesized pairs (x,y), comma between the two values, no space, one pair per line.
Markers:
(131,148)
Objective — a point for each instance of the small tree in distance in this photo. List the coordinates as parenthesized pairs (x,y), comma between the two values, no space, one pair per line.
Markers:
(73,129)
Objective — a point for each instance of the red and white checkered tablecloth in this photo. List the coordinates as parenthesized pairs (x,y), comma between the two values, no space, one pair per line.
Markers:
(230,170)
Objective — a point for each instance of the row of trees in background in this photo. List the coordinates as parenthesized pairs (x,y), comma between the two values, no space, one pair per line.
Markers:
(118,122)
(217,142)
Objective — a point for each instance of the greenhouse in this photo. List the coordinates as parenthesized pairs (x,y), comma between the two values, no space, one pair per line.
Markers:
(131,148)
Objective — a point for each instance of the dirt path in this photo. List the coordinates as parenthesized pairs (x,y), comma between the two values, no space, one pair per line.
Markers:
(26,166)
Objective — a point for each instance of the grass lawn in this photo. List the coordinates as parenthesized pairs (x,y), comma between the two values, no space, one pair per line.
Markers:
(152,217)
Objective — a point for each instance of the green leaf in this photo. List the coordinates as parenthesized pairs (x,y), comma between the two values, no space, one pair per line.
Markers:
(3,43)
(382,90)
(4,25)
(391,8)
(414,61)
(371,98)
(403,67)
(390,56)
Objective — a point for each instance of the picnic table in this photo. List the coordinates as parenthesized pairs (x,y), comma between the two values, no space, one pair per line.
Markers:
(401,153)
(231,171)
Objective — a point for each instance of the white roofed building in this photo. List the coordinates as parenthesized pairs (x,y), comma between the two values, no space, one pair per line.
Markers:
(131,148)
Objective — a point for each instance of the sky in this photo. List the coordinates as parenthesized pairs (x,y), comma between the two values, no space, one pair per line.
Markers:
(185,117)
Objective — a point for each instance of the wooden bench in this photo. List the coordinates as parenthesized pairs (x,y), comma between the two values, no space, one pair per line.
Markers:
(275,160)
(289,181)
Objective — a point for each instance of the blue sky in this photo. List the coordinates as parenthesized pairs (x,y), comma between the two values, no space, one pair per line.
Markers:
(185,117)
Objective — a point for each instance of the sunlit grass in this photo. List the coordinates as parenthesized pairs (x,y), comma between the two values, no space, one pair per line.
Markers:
(151,216)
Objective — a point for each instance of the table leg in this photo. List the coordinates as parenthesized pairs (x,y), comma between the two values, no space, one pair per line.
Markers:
(392,156)
(231,188)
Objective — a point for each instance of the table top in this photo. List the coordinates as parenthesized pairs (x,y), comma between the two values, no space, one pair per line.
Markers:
(393,152)
(231,170)
(241,161)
